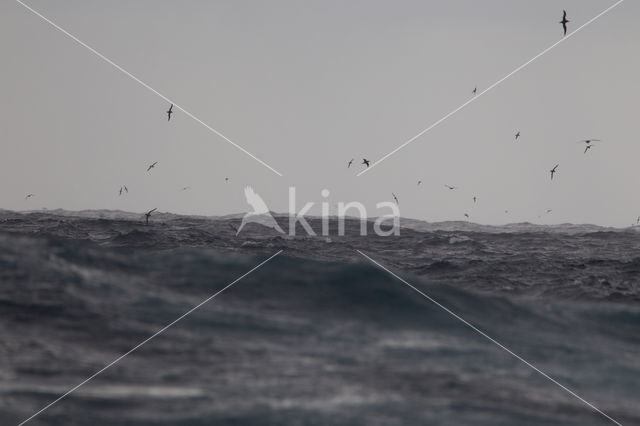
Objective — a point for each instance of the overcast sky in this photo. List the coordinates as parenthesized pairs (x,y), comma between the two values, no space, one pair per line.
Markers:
(306,86)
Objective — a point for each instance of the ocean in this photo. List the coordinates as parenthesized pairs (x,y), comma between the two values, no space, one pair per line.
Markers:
(319,335)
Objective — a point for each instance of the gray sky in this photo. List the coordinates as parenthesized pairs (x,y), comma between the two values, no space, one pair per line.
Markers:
(306,86)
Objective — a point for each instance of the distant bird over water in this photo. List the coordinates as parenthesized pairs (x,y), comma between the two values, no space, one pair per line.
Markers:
(350,162)
(126,189)
(588,141)
(120,193)
(466,215)
(518,135)
(451,187)
(169,112)
(395,198)
(587,148)
(29,196)
(474,198)
(152,166)
(419,182)
(186,187)
(365,161)
(553,171)
(147,215)
(475,90)
(564,21)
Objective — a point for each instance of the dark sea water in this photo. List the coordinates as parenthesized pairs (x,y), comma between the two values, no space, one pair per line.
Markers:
(318,335)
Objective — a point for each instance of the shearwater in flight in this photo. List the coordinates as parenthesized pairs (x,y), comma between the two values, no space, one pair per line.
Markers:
(553,171)
(147,215)
(152,166)
(169,112)
(365,161)
(564,21)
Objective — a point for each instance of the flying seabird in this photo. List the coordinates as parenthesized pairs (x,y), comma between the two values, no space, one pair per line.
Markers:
(587,148)
(475,90)
(169,112)
(395,198)
(120,191)
(564,21)
(126,189)
(152,166)
(466,215)
(553,171)
(148,214)
(450,187)
(29,196)
(518,135)
(185,188)
(365,161)
(588,141)
(350,161)
(549,210)
(419,182)
(474,198)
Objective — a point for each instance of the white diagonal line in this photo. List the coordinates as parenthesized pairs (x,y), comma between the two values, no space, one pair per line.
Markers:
(128,74)
(491,87)
(145,341)
(494,341)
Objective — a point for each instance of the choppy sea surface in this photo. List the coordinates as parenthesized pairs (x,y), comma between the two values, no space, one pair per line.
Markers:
(318,335)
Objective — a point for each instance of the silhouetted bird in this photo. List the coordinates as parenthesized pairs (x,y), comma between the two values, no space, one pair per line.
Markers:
(29,196)
(564,21)
(475,90)
(185,188)
(365,161)
(419,182)
(169,112)
(147,215)
(450,187)
(549,210)
(466,215)
(120,191)
(395,198)
(517,135)
(587,148)
(152,166)
(126,189)
(350,161)
(226,179)
(474,199)
(588,141)
(553,171)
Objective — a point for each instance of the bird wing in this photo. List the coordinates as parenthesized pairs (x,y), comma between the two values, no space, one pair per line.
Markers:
(255,201)
(151,211)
